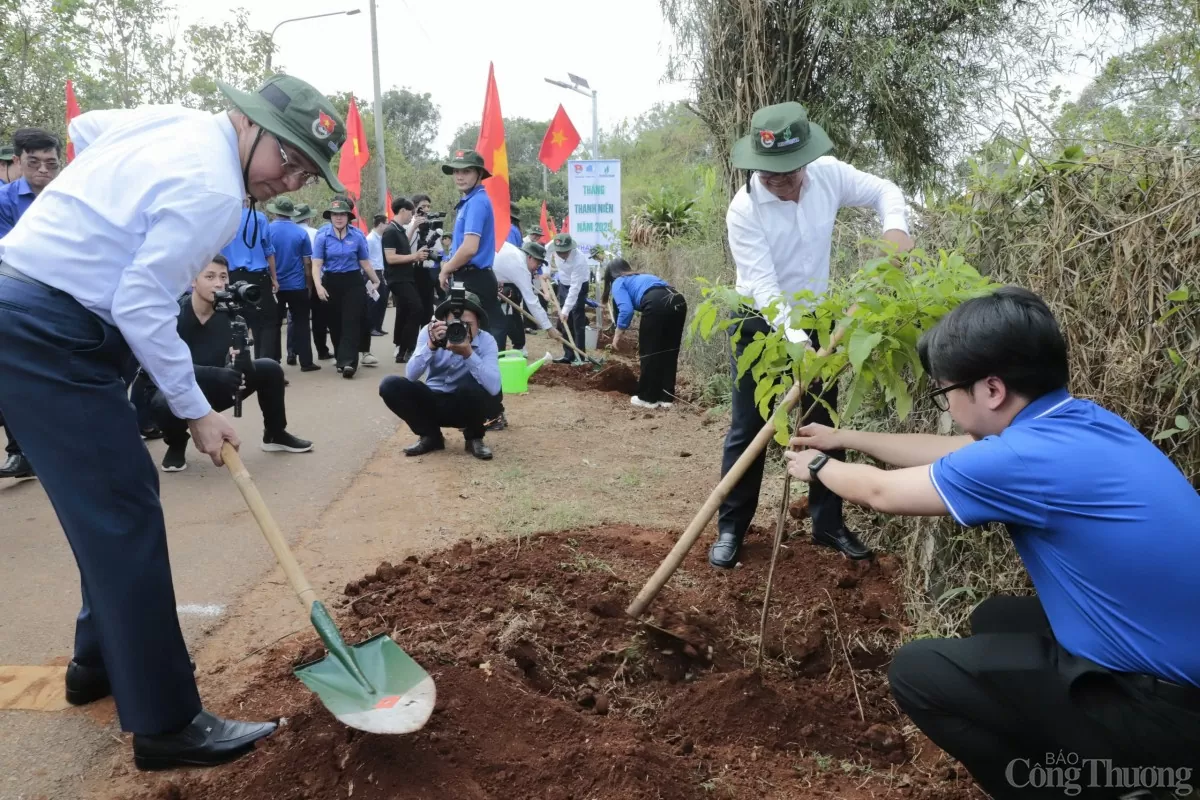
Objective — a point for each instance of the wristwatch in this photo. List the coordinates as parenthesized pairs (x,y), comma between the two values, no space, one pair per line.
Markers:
(815,465)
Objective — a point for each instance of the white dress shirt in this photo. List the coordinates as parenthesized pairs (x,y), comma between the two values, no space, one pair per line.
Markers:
(375,251)
(510,267)
(573,271)
(781,247)
(312,234)
(152,195)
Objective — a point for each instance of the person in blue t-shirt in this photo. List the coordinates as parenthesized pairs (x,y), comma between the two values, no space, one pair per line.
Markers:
(664,311)
(1102,663)
(339,261)
(293,263)
(251,260)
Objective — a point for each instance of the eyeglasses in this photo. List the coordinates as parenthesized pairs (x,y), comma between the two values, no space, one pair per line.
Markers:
(938,396)
(779,177)
(306,178)
(37,165)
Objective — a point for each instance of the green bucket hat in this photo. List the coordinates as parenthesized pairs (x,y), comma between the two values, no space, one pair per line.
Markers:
(282,206)
(339,205)
(781,140)
(563,243)
(471,304)
(536,232)
(464,159)
(534,250)
(8,153)
(303,212)
(298,114)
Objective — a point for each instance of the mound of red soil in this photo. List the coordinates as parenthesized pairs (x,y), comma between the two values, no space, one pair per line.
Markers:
(547,690)
(628,345)
(612,377)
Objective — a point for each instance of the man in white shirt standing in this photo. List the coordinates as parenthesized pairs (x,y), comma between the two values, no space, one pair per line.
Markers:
(780,227)
(574,284)
(377,308)
(75,300)
(515,268)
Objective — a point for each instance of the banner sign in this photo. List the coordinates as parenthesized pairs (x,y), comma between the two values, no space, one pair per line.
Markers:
(594,202)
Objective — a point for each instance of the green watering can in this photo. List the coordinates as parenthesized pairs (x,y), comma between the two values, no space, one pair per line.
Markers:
(514,372)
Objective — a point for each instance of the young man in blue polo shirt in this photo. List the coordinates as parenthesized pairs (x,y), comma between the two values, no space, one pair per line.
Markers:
(1103,663)
(293,261)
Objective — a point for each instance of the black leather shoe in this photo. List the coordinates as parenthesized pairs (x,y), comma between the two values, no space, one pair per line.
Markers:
(724,551)
(477,448)
(89,684)
(426,444)
(291,359)
(845,540)
(310,367)
(206,741)
(16,466)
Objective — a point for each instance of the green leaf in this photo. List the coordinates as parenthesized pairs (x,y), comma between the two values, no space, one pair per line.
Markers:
(1169,432)
(1176,359)
(1183,423)
(1180,295)
(862,342)
(750,355)
(854,398)
(708,316)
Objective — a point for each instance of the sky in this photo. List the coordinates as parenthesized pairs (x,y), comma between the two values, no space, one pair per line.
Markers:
(619,46)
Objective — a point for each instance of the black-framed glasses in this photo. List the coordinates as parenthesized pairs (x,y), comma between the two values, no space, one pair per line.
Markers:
(307,178)
(938,396)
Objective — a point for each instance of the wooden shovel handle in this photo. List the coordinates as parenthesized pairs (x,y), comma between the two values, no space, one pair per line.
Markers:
(266,524)
(529,317)
(699,522)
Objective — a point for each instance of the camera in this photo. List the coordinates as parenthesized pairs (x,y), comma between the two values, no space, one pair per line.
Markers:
(457,331)
(236,296)
(433,220)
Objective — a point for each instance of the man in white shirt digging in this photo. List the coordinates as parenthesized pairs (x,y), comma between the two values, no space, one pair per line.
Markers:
(780,227)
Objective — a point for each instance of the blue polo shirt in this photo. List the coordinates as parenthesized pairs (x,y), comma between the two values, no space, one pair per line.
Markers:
(628,291)
(514,236)
(473,214)
(15,199)
(1107,526)
(291,245)
(340,254)
(253,258)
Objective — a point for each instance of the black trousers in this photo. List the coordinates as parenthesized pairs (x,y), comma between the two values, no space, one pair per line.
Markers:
(378,308)
(266,381)
(410,315)
(63,391)
(663,313)
(576,320)
(262,320)
(1008,698)
(298,302)
(483,283)
(515,330)
(739,507)
(426,412)
(347,312)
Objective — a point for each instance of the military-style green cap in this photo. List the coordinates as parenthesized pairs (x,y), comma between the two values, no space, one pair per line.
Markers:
(298,114)
(339,205)
(303,212)
(563,243)
(781,140)
(536,232)
(534,250)
(464,159)
(282,206)
(471,303)
(8,153)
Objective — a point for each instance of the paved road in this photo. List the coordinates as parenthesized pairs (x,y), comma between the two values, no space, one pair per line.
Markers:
(214,560)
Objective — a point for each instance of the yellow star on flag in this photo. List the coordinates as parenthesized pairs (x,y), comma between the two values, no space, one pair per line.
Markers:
(558,138)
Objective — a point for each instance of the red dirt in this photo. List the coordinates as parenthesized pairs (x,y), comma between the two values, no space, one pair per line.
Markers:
(612,377)
(546,689)
(628,345)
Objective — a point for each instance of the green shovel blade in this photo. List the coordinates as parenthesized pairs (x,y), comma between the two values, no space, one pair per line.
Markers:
(373,686)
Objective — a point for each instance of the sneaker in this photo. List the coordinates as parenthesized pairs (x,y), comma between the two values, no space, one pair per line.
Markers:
(640,403)
(285,442)
(347,372)
(498,424)
(368,360)
(176,458)
(378,333)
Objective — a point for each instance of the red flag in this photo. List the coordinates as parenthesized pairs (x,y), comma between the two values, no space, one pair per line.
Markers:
(72,112)
(354,153)
(388,210)
(495,158)
(566,226)
(544,224)
(560,141)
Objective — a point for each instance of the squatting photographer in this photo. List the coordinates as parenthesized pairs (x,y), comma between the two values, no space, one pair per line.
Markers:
(224,373)
(462,387)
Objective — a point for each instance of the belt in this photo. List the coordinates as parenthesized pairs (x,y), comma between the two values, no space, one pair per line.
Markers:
(262,271)
(472,266)
(11,272)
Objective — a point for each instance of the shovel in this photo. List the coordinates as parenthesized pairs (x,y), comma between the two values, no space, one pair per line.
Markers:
(566,342)
(373,686)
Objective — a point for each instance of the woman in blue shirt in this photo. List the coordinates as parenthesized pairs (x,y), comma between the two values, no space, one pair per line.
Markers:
(663,313)
(338,262)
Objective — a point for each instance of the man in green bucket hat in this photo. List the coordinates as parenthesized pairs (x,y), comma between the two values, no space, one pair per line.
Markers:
(780,227)
(156,192)
(10,170)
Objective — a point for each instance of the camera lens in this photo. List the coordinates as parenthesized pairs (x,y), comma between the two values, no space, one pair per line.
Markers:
(251,293)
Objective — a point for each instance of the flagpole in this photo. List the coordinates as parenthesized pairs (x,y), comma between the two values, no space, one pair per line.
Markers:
(379,151)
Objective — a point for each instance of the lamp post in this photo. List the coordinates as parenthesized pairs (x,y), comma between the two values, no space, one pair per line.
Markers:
(379,159)
(271,38)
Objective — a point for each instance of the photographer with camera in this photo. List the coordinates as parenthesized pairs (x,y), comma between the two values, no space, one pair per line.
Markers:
(427,231)
(251,257)
(339,260)
(401,273)
(462,387)
(208,323)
